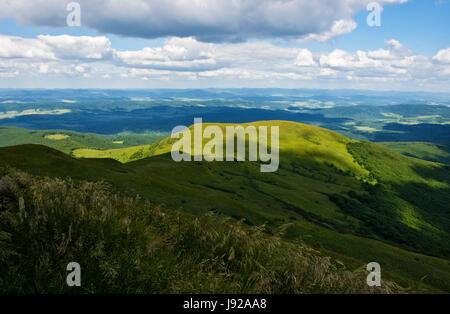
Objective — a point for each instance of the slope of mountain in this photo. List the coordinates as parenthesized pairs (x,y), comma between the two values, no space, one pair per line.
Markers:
(437,152)
(128,246)
(356,201)
(311,144)
(67,141)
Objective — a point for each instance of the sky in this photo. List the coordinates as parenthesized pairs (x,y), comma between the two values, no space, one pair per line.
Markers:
(226,43)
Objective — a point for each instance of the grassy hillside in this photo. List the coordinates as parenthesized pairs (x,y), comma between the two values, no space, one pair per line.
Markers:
(125,245)
(437,152)
(355,201)
(311,144)
(67,141)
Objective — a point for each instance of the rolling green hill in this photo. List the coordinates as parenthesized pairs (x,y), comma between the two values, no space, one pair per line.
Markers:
(356,201)
(67,141)
(311,144)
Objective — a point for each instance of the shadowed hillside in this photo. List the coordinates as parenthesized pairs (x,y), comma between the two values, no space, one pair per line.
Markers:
(128,246)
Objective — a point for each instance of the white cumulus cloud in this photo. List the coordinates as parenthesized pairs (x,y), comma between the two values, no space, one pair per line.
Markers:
(187,59)
(443,56)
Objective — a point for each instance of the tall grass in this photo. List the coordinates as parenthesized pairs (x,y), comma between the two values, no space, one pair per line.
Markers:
(128,245)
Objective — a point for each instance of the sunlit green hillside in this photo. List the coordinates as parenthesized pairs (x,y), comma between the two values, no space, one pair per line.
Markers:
(298,141)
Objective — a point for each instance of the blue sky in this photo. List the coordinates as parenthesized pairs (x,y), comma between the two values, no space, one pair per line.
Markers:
(151,43)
